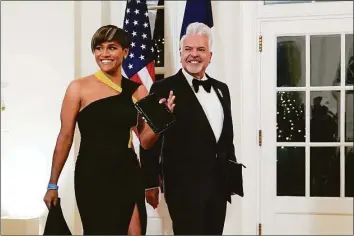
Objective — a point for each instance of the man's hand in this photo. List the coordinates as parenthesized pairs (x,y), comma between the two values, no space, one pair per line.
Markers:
(170,102)
(152,197)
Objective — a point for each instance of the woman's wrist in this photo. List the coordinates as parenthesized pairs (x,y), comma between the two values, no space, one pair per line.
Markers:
(52,186)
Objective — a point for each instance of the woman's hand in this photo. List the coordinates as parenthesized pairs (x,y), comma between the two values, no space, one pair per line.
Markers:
(170,101)
(51,197)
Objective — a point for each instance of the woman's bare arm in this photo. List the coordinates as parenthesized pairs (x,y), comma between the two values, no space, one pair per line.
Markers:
(69,111)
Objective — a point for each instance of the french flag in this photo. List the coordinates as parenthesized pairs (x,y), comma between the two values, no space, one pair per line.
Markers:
(197,11)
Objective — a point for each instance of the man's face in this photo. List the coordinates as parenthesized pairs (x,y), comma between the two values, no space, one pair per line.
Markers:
(195,55)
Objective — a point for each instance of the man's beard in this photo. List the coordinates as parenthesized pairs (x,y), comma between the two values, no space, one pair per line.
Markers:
(194,69)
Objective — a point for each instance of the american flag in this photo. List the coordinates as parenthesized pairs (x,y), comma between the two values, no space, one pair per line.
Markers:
(139,65)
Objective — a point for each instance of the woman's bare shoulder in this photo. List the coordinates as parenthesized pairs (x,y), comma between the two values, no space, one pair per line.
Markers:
(79,84)
(85,80)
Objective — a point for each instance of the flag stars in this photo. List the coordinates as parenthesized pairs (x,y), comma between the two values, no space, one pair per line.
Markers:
(141,47)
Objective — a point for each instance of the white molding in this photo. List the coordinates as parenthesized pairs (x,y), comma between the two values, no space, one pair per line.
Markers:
(4,84)
(314,9)
(250,122)
(155,8)
(27,226)
(160,70)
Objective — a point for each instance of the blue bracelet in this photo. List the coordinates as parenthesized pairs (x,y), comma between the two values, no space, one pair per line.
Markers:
(52,187)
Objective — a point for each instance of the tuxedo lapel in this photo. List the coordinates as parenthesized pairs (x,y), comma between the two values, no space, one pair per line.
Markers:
(189,107)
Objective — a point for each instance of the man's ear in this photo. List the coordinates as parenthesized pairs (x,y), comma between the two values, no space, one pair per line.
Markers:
(211,55)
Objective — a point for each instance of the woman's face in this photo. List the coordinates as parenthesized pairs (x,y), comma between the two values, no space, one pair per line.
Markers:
(109,56)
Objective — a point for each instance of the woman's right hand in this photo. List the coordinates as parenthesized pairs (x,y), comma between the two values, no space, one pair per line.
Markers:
(51,197)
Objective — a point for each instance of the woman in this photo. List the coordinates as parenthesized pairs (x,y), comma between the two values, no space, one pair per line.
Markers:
(108,185)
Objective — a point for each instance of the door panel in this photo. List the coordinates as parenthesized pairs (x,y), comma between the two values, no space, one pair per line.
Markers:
(307,126)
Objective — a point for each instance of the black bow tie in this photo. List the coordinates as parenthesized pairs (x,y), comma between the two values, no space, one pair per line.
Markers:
(205,83)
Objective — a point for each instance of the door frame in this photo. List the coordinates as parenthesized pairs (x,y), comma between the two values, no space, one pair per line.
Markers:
(302,204)
(252,16)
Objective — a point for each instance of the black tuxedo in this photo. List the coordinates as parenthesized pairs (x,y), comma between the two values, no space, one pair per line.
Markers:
(192,160)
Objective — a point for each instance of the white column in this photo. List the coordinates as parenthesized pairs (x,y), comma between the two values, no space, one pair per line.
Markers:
(88,18)
(250,92)
(174,11)
(91,20)
(117,12)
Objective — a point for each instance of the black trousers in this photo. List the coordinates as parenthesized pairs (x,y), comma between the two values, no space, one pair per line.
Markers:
(204,216)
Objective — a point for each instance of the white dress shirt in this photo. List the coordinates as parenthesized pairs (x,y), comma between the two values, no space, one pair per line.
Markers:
(210,104)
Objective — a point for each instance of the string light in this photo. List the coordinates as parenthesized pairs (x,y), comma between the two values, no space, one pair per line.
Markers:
(159,45)
(290,116)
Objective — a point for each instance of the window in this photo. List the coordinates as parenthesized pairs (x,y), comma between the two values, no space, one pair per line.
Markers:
(157,22)
(330,104)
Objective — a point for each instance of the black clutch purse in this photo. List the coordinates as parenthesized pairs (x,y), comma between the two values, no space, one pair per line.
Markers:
(56,224)
(157,115)
(234,178)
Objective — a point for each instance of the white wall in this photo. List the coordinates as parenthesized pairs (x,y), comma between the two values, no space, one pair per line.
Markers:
(227,68)
(37,64)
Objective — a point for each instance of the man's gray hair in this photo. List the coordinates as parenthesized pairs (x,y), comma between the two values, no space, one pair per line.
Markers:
(199,29)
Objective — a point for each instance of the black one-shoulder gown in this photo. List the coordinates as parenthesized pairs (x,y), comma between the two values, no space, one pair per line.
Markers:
(108,178)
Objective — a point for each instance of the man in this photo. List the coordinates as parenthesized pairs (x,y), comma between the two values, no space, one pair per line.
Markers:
(194,151)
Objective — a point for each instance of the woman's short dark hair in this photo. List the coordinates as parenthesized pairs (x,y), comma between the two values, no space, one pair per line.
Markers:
(109,33)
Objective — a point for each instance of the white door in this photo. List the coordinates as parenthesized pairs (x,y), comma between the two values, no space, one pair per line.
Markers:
(307,158)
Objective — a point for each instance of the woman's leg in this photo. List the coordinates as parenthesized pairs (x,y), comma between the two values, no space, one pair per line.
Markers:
(134,226)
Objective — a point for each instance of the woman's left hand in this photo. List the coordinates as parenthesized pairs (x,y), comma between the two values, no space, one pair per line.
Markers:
(170,101)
